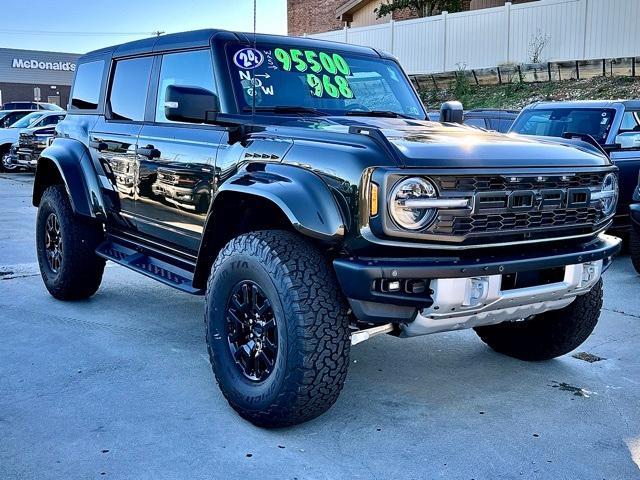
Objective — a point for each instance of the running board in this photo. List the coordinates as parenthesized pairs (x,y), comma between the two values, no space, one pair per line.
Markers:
(141,260)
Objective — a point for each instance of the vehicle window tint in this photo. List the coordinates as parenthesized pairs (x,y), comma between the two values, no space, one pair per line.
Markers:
(373,92)
(558,121)
(504,125)
(18,105)
(86,86)
(630,122)
(27,120)
(128,95)
(270,76)
(50,120)
(14,117)
(193,69)
(475,122)
(10,118)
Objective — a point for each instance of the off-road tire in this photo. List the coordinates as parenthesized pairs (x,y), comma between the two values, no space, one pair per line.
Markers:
(80,272)
(634,248)
(548,335)
(312,325)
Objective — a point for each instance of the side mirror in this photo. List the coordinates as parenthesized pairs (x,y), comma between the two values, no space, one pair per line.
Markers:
(612,147)
(451,112)
(628,140)
(190,104)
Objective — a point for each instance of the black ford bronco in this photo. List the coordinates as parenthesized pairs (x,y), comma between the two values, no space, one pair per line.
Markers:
(335,210)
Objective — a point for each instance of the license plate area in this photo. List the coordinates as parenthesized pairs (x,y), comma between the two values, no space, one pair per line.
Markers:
(532,278)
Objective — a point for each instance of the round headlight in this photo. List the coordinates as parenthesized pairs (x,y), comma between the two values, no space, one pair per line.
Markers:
(408,217)
(609,202)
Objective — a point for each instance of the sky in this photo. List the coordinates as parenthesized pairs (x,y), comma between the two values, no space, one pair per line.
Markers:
(79,26)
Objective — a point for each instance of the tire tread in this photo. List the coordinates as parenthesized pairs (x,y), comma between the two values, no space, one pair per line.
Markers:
(318,341)
(82,271)
(548,335)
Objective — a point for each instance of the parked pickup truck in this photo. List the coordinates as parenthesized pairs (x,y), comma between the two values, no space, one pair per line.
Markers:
(614,125)
(335,211)
(26,151)
(10,136)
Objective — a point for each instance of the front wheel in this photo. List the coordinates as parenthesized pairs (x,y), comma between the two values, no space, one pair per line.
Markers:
(277,328)
(550,334)
(66,246)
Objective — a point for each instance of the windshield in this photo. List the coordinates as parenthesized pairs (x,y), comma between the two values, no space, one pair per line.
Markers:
(554,122)
(24,122)
(318,79)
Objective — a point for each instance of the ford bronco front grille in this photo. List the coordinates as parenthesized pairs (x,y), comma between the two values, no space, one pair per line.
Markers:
(519,207)
(510,221)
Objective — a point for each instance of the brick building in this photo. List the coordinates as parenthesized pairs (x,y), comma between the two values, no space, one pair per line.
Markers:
(317,16)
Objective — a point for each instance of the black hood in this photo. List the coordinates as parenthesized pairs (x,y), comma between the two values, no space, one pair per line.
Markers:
(431,144)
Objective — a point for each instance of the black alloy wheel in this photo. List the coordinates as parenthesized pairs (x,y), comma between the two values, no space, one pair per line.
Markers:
(277,328)
(53,242)
(66,247)
(252,331)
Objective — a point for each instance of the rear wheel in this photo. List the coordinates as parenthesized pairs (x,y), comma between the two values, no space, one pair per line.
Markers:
(549,334)
(6,167)
(66,247)
(277,328)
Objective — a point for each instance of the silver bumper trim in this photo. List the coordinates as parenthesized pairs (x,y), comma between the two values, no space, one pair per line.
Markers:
(437,203)
(460,303)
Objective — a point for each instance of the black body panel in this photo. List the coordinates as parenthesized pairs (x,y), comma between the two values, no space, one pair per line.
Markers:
(182,187)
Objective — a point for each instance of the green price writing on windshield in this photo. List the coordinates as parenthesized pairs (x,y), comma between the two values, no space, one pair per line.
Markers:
(303,60)
(336,87)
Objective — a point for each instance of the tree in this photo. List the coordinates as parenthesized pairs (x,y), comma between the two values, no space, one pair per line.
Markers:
(424,8)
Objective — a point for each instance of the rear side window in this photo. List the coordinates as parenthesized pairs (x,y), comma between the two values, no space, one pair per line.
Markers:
(193,69)
(475,122)
(129,88)
(86,87)
(18,105)
(50,120)
(630,122)
(11,118)
(504,125)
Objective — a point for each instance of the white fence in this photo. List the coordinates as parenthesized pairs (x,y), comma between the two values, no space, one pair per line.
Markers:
(573,29)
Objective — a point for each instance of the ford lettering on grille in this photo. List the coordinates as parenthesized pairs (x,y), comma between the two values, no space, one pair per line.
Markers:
(532,200)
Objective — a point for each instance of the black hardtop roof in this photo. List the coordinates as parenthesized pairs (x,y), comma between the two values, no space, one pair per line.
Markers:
(202,38)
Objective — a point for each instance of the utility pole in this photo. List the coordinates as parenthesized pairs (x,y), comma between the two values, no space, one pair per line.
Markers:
(157,33)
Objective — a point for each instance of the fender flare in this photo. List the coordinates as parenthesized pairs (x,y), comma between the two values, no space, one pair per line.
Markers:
(301,195)
(75,167)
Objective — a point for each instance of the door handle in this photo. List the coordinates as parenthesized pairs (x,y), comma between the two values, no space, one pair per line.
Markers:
(98,145)
(149,151)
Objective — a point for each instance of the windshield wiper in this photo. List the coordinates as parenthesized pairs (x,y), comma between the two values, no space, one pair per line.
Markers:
(377,113)
(286,109)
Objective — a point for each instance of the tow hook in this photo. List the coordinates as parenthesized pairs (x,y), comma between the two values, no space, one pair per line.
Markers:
(360,336)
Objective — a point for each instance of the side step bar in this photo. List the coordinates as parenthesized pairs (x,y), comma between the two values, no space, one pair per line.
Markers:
(146,261)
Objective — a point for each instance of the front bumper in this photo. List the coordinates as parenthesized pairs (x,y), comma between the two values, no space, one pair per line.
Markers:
(183,196)
(360,278)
